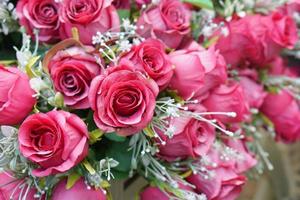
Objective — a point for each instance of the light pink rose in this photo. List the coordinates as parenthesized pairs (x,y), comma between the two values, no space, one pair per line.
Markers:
(224,185)
(72,71)
(79,191)
(192,138)
(56,141)
(283,110)
(197,71)
(168,21)
(123,100)
(150,58)
(89,17)
(9,188)
(228,98)
(41,15)
(16,96)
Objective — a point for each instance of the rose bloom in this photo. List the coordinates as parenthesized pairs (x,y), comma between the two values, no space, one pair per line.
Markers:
(121,4)
(41,15)
(258,38)
(56,141)
(279,67)
(79,191)
(228,98)
(72,71)
(16,96)
(197,71)
(89,17)
(168,21)
(9,187)
(192,138)
(283,110)
(123,100)
(150,58)
(224,185)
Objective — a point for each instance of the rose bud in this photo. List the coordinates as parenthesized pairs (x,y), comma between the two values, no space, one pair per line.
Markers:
(10,188)
(79,191)
(228,98)
(41,15)
(16,96)
(150,58)
(225,184)
(191,138)
(72,71)
(197,71)
(56,141)
(89,17)
(283,110)
(168,21)
(123,100)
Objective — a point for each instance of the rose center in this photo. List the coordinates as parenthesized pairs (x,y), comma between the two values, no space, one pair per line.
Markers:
(127,103)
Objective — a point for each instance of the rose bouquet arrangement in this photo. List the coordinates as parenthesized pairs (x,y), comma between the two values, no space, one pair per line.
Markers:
(179,92)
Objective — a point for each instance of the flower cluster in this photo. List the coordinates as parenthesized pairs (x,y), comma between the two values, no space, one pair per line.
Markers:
(179,93)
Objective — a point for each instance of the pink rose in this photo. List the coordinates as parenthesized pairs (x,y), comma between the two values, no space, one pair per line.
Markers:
(72,71)
(168,21)
(89,17)
(10,188)
(16,96)
(150,58)
(283,110)
(121,4)
(254,92)
(192,138)
(228,98)
(123,100)
(56,141)
(151,193)
(197,71)
(279,67)
(41,15)
(224,185)
(79,191)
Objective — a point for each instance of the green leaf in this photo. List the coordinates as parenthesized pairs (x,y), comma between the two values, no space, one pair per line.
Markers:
(201,3)
(72,179)
(124,14)
(115,137)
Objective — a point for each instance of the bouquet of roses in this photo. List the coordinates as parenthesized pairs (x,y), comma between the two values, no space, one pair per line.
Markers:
(179,92)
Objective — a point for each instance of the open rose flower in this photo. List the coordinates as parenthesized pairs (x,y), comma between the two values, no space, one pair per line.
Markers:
(79,191)
(191,138)
(10,188)
(123,100)
(149,57)
(283,110)
(225,184)
(228,98)
(56,141)
(16,96)
(41,15)
(168,21)
(89,17)
(197,71)
(72,71)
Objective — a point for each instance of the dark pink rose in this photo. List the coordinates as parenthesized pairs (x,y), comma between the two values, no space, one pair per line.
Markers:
(151,193)
(192,138)
(168,21)
(197,71)
(10,188)
(89,17)
(41,15)
(283,110)
(224,185)
(72,71)
(79,191)
(254,92)
(150,58)
(121,4)
(16,96)
(228,98)
(56,141)
(123,100)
